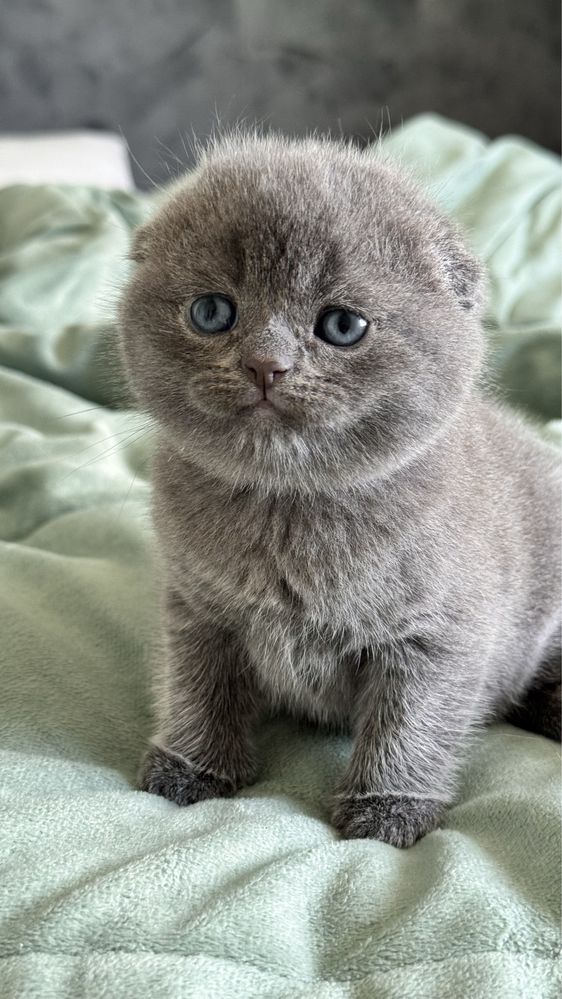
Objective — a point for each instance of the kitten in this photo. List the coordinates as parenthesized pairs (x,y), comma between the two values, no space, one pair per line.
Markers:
(350,532)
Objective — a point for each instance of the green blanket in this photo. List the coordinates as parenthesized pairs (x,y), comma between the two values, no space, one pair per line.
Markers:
(106,891)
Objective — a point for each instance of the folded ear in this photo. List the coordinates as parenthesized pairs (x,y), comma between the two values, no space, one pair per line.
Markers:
(463,271)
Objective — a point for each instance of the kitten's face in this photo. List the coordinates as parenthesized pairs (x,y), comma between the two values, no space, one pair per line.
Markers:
(299,314)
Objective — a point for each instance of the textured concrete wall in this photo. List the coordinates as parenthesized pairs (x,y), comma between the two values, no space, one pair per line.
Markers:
(159,68)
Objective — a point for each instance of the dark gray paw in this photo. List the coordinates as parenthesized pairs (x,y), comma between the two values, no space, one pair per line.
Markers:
(393,818)
(169,775)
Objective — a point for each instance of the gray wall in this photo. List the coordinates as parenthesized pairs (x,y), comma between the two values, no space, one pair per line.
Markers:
(159,68)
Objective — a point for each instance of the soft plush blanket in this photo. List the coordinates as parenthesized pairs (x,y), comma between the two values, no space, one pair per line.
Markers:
(107,891)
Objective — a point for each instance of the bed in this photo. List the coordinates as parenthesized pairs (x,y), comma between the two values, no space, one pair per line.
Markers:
(107,891)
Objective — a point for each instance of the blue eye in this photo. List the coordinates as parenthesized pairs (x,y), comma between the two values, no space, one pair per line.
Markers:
(340,327)
(213,314)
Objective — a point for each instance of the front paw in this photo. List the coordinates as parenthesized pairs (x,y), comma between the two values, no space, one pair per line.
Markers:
(393,818)
(171,776)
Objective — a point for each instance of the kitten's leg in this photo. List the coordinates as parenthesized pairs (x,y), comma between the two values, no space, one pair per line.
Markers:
(414,715)
(540,709)
(207,706)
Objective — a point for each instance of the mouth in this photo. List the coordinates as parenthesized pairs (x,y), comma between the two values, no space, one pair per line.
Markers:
(271,415)
(263,407)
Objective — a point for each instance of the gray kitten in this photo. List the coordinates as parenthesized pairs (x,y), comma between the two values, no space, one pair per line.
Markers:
(349,531)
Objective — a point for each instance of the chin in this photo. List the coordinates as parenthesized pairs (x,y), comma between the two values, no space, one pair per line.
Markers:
(260,412)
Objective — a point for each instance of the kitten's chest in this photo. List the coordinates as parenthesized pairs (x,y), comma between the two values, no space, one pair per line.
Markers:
(319,567)
(296,580)
(295,557)
(301,581)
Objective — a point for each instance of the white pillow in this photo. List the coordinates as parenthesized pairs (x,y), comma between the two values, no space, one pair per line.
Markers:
(97,158)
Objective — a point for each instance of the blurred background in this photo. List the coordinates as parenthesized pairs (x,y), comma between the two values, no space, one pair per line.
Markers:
(158,70)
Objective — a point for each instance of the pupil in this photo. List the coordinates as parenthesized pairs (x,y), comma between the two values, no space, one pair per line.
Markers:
(210,310)
(344,324)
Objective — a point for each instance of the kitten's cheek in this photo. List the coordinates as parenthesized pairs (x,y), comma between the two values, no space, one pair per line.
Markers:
(395,819)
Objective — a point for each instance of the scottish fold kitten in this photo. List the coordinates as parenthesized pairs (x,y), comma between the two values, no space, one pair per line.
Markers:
(350,531)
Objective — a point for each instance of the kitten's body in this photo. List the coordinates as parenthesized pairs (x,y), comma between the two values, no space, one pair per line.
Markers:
(311,585)
(378,554)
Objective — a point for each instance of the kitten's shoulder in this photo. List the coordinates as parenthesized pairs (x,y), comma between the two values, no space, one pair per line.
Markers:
(512,461)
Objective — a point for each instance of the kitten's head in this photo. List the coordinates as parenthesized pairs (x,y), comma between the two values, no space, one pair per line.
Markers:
(300,317)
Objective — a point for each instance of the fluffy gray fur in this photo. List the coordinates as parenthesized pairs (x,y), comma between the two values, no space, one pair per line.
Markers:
(379,552)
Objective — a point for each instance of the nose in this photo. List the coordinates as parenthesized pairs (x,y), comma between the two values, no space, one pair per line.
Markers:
(265,370)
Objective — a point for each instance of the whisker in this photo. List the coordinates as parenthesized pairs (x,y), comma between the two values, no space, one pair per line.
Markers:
(102,440)
(128,442)
(128,493)
(171,153)
(79,412)
(139,165)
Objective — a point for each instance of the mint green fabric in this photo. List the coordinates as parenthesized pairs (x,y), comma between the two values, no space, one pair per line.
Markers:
(109,892)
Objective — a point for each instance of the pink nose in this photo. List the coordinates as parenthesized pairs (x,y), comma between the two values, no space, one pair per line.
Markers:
(265,370)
